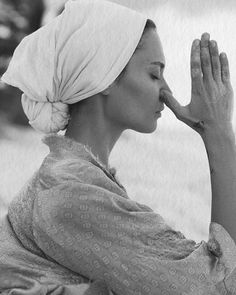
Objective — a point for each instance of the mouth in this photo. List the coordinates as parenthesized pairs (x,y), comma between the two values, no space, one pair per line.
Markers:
(157,114)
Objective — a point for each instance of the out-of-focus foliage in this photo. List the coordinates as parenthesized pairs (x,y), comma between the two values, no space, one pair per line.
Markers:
(18,18)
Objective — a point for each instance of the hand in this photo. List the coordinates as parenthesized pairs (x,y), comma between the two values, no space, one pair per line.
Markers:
(211,103)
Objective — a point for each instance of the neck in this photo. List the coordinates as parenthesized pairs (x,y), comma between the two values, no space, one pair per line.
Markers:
(89,126)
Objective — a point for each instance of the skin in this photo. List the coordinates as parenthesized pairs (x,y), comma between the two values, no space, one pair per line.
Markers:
(131,103)
(210,114)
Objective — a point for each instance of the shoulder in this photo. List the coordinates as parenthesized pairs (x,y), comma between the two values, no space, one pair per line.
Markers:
(55,171)
(71,204)
(71,162)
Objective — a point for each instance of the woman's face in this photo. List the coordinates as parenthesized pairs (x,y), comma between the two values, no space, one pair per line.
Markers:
(134,101)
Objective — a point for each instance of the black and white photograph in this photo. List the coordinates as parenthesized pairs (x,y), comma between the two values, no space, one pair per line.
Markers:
(117,147)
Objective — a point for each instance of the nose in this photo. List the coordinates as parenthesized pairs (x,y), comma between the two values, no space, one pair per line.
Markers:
(165,86)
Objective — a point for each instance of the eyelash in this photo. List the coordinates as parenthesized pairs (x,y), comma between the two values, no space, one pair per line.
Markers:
(154,77)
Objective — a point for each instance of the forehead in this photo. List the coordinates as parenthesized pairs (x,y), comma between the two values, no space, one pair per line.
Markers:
(151,50)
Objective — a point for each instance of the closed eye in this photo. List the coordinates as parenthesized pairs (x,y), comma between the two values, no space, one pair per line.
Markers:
(155,77)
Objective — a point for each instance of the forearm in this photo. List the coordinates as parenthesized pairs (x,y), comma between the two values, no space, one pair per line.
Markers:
(210,113)
(221,152)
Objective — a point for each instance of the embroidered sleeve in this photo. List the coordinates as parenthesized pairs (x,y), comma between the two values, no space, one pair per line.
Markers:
(104,236)
(222,248)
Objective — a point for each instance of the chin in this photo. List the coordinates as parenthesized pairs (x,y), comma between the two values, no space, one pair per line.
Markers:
(147,128)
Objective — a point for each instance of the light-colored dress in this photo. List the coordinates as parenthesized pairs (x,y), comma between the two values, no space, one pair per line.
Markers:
(73,223)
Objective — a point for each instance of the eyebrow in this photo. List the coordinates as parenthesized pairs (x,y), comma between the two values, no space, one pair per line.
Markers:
(158,63)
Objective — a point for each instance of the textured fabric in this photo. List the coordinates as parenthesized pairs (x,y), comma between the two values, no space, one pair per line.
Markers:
(73,223)
(77,55)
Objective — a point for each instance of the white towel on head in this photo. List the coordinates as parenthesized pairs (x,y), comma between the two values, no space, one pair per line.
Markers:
(77,55)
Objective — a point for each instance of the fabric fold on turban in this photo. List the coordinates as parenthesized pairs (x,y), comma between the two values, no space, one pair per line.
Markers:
(76,55)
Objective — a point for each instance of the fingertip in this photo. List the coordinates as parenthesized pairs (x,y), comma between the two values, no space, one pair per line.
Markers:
(223,55)
(166,93)
(213,43)
(205,36)
(196,43)
(214,50)
(163,95)
(224,59)
(225,74)
(166,90)
(205,39)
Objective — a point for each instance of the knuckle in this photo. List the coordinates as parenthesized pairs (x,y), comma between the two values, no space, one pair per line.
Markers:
(224,78)
(195,54)
(215,64)
(214,52)
(196,90)
(224,65)
(205,58)
(225,71)
(206,62)
(204,51)
(195,64)
(195,73)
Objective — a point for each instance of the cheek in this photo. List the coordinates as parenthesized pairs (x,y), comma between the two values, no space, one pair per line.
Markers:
(145,91)
(134,99)
(135,95)
(139,86)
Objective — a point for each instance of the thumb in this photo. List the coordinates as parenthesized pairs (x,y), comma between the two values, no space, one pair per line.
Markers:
(182,113)
(172,103)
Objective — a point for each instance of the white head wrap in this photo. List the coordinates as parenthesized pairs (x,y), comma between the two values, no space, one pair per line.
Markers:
(77,55)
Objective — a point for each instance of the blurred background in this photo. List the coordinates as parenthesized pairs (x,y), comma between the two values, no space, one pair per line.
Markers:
(166,170)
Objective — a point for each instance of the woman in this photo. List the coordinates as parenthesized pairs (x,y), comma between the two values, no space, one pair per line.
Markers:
(95,71)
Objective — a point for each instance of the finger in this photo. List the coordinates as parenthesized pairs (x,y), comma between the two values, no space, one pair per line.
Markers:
(215,61)
(180,112)
(192,122)
(225,75)
(205,57)
(171,102)
(195,62)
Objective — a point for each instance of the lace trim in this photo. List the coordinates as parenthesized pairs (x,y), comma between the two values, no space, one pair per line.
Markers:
(110,171)
(59,141)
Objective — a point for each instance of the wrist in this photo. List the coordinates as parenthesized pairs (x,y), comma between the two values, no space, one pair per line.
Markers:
(216,133)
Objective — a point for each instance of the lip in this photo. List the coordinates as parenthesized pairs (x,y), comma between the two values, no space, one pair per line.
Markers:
(158,114)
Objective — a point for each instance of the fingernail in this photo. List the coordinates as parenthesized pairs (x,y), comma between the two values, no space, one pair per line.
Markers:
(213,43)
(223,55)
(196,42)
(206,35)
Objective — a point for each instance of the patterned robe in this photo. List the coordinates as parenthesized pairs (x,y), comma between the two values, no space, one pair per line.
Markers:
(73,226)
